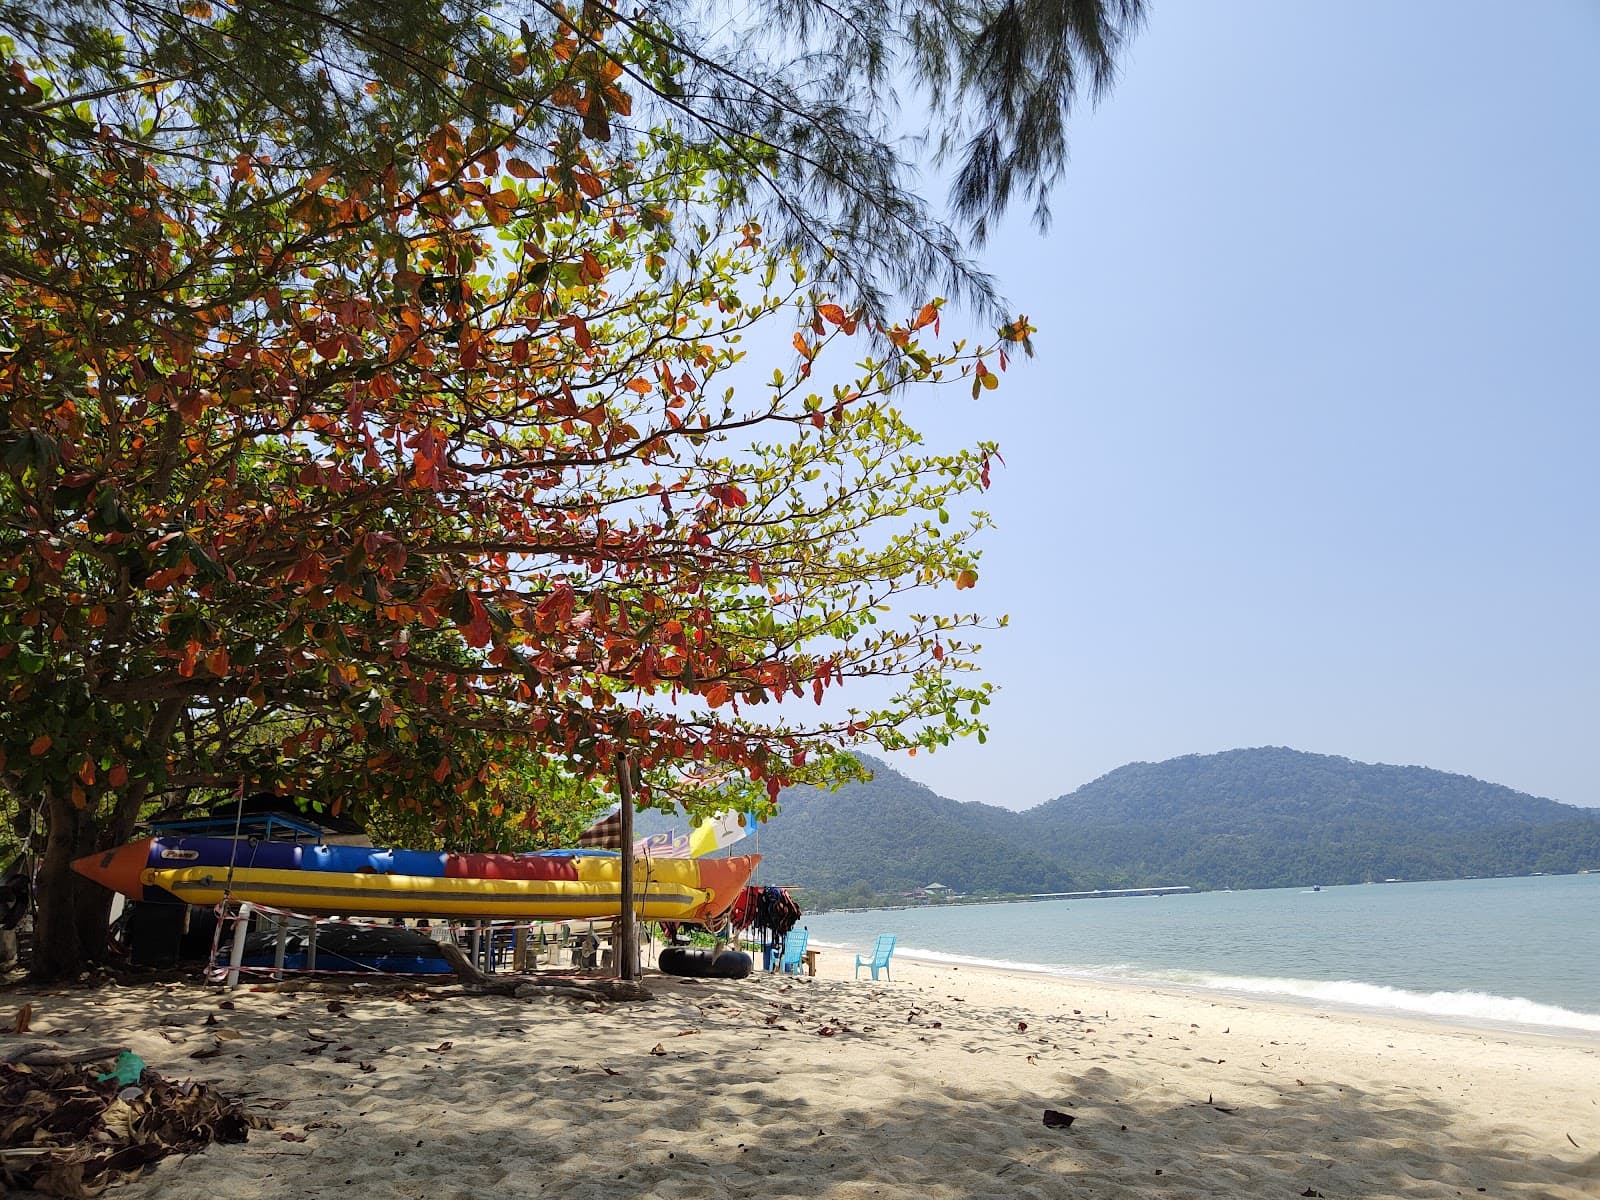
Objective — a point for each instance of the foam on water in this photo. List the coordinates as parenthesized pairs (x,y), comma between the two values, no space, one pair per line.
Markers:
(1459,1006)
(1468,1006)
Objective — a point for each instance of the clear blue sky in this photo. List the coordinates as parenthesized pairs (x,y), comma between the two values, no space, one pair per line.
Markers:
(1308,455)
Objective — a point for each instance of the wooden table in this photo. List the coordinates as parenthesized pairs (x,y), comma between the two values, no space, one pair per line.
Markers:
(811,962)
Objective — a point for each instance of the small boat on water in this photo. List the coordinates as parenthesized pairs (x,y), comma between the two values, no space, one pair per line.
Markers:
(360,881)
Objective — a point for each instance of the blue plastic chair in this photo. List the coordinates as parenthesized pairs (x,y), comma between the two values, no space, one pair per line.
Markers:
(879,958)
(794,952)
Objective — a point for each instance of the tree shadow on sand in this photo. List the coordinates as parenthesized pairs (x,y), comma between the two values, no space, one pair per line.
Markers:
(718,1090)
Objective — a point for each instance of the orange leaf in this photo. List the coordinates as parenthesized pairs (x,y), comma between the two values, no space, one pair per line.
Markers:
(118,775)
(520,169)
(316,182)
(966,579)
(157,580)
(928,315)
(831,312)
(40,744)
(500,207)
(640,385)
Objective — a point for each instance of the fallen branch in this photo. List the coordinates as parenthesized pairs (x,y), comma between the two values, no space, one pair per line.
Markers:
(523,985)
(43,1054)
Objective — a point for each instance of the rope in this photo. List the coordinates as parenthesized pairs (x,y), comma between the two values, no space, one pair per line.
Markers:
(227,888)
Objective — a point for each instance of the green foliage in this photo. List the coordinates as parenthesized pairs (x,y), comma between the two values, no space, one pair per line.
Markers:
(410,482)
(800,98)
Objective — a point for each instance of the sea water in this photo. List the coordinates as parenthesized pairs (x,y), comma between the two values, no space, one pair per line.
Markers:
(1525,951)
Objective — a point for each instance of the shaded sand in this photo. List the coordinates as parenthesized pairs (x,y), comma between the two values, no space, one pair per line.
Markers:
(927,1086)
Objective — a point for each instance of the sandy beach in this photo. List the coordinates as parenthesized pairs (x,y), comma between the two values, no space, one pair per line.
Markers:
(934,1085)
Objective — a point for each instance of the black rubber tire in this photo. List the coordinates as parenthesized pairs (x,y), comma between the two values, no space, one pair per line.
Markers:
(698,962)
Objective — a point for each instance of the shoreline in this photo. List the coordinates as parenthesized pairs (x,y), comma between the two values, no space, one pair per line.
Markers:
(932,1084)
(1574,1033)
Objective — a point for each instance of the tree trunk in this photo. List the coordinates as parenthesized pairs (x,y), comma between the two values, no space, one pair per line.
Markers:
(64,938)
(72,915)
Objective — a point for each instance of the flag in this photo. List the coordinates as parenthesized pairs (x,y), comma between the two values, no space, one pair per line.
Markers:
(674,843)
(714,833)
(604,834)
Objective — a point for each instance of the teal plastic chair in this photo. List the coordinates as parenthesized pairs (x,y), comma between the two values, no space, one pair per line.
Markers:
(878,960)
(794,952)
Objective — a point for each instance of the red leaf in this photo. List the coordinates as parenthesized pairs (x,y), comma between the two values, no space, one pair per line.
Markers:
(477,630)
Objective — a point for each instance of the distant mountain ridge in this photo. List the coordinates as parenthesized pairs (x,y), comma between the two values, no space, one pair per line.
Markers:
(1266,817)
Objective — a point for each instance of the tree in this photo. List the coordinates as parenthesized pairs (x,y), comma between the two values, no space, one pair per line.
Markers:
(373,481)
(802,94)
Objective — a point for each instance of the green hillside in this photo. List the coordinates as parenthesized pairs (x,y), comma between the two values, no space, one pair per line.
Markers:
(1275,817)
(1267,817)
(890,834)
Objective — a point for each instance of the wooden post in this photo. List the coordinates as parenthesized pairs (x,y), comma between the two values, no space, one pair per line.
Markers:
(627,944)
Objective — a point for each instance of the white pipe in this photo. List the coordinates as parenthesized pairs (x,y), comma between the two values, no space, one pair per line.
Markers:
(241,927)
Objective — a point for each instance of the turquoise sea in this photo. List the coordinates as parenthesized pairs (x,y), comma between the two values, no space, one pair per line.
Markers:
(1523,950)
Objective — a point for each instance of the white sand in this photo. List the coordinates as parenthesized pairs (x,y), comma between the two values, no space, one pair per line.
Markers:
(928,1086)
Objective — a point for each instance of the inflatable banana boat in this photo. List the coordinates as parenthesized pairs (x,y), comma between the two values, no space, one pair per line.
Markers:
(358,881)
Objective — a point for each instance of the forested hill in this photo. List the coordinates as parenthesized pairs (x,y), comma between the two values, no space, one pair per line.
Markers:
(1274,817)
(1245,818)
